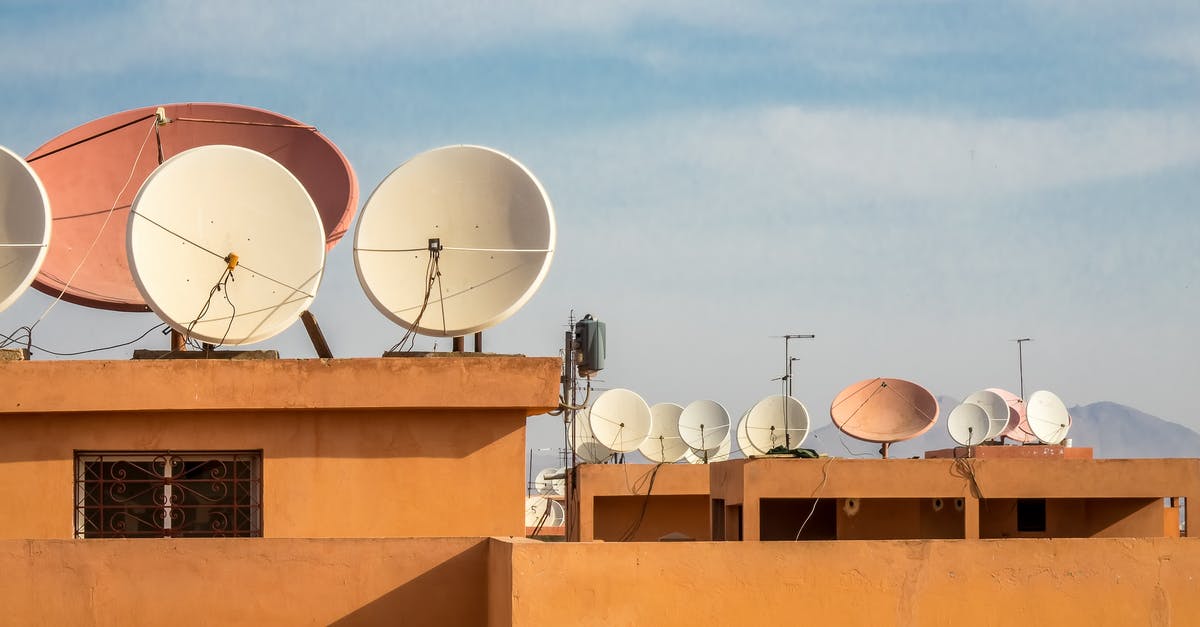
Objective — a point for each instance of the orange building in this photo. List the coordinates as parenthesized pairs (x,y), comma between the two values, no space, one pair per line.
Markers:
(391,491)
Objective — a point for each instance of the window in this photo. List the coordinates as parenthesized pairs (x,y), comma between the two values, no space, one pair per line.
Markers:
(1031,515)
(155,494)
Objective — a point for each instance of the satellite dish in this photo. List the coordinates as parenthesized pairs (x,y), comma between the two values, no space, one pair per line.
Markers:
(454,241)
(93,171)
(24,226)
(968,424)
(997,410)
(766,422)
(550,486)
(719,453)
(216,212)
(704,425)
(547,512)
(744,445)
(664,445)
(884,410)
(620,420)
(1048,417)
(586,448)
(1017,428)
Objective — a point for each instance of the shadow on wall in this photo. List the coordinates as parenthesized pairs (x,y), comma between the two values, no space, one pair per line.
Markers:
(454,592)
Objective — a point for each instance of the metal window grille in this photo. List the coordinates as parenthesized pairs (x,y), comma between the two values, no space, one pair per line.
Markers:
(155,494)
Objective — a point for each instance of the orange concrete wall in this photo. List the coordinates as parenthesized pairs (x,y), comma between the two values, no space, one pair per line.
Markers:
(1076,518)
(593,514)
(335,463)
(615,516)
(441,581)
(909,583)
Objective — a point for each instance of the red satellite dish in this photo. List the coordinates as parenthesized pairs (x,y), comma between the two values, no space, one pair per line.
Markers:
(884,411)
(1018,425)
(93,168)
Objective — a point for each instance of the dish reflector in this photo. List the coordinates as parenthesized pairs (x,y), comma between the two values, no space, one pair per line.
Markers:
(968,424)
(744,444)
(586,448)
(550,486)
(995,407)
(1048,417)
(766,422)
(620,420)
(24,226)
(884,410)
(454,241)
(704,425)
(1017,428)
(664,445)
(547,512)
(213,208)
(719,453)
(93,171)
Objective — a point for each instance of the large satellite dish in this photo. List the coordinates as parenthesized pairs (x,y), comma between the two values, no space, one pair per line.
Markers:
(765,424)
(968,424)
(454,241)
(585,445)
(93,171)
(995,407)
(703,425)
(544,485)
(620,420)
(1017,428)
(225,245)
(884,410)
(24,226)
(1048,417)
(664,445)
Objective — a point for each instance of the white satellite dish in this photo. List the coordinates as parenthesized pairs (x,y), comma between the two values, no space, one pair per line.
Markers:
(454,241)
(620,420)
(995,407)
(586,448)
(543,485)
(1048,417)
(968,424)
(24,226)
(704,425)
(544,511)
(719,453)
(225,244)
(744,445)
(765,424)
(664,445)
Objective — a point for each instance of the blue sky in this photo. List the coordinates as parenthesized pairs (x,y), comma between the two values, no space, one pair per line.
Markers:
(914,182)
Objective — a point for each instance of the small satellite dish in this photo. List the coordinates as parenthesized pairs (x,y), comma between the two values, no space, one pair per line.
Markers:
(93,171)
(225,245)
(997,410)
(620,420)
(767,419)
(24,226)
(454,241)
(704,425)
(968,424)
(1048,417)
(544,511)
(586,448)
(744,445)
(884,410)
(664,445)
(1017,428)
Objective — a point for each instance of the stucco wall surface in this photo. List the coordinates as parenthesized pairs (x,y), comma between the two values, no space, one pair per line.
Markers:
(1087,582)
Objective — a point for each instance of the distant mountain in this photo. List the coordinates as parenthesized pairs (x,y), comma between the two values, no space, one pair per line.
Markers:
(1111,429)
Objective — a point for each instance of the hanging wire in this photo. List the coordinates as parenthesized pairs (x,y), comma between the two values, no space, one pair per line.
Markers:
(7,340)
(433,274)
(222,285)
(816,496)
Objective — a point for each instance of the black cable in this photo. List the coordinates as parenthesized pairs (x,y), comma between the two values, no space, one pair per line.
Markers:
(95,350)
(222,282)
(633,528)
(432,273)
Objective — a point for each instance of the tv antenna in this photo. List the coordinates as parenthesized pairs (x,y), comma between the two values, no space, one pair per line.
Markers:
(1021,361)
(787,378)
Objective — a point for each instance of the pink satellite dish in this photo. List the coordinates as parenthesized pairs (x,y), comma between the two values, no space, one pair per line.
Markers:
(884,410)
(1017,428)
(92,173)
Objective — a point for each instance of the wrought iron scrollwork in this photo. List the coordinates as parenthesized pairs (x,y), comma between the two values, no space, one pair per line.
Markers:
(122,494)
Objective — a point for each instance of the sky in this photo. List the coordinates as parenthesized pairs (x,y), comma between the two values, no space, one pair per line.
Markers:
(915,183)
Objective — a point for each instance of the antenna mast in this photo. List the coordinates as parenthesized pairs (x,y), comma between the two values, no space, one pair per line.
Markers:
(1021,362)
(787,379)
